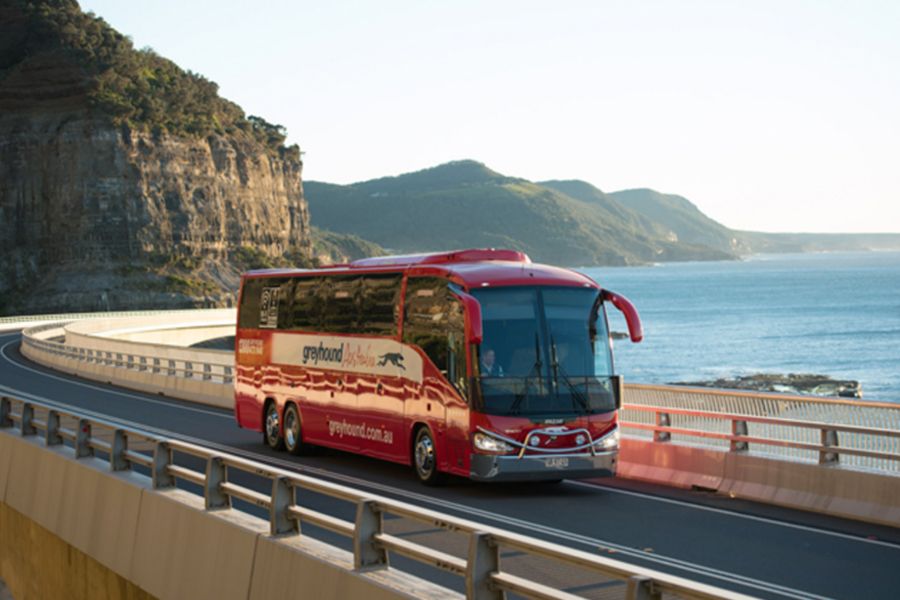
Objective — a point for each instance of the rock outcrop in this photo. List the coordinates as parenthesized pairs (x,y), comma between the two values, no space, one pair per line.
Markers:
(99,212)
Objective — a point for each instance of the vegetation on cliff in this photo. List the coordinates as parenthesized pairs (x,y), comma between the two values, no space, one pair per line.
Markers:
(127,181)
(138,88)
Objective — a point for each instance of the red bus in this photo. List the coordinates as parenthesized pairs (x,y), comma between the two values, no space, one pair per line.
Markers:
(476,363)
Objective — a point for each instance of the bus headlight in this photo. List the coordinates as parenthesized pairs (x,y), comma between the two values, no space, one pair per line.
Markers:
(608,442)
(487,443)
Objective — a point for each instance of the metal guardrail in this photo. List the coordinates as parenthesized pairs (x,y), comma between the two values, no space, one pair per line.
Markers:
(481,567)
(215,372)
(853,433)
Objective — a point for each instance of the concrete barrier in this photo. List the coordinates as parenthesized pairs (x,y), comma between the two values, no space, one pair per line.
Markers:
(671,464)
(66,523)
(827,489)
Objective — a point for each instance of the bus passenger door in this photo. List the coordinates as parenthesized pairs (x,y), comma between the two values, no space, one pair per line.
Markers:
(434,323)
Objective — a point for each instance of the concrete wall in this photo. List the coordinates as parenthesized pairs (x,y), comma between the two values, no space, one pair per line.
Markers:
(72,529)
(831,489)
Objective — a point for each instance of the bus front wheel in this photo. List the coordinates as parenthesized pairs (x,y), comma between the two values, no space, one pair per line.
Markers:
(425,458)
(272,428)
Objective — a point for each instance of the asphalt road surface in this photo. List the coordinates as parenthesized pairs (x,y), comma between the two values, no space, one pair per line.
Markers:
(751,548)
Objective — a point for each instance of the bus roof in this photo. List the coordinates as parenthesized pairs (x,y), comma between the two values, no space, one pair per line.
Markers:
(473,268)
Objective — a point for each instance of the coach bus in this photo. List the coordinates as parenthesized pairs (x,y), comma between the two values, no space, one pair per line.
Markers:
(476,363)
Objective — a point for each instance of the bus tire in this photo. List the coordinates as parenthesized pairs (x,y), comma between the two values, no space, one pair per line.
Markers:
(424,458)
(293,431)
(272,427)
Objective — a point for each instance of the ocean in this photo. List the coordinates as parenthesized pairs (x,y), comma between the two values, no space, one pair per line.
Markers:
(835,314)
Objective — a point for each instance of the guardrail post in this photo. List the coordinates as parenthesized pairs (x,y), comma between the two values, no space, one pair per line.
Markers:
(483,561)
(662,420)
(5,409)
(52,437)
(83,439)
(216,475)
(162,458)
(367,554)
(739,428)
(117,459)
(26,425)
(282,498)
(641,588)
(829,440)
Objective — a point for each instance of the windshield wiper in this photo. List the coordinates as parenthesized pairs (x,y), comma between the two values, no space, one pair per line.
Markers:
(557,371)
(535,370)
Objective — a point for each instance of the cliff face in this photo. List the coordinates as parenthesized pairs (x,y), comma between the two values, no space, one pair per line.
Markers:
(98,215)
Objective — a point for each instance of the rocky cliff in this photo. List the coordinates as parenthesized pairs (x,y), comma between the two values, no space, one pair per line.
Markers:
(103,209)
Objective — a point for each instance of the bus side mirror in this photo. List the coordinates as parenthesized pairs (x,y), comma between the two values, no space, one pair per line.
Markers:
(624,306)
(618,389)
(474,333)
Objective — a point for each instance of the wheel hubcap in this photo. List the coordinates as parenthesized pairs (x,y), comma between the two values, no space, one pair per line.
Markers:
(272,424)
(425,455)
(291,429)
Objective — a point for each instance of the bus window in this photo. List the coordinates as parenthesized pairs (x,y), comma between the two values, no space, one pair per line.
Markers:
(339,297)
(379,297)
(435,321)
(306,310)
(265,303)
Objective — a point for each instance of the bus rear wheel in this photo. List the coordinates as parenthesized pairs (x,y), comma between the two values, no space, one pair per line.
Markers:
(272,428)
(293,433)
(425,458)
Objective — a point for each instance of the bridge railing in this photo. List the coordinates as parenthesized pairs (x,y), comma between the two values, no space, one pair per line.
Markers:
(853,433)
(150,361)
(480,567)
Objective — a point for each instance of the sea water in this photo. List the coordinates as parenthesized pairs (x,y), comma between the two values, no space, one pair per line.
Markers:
(835,314)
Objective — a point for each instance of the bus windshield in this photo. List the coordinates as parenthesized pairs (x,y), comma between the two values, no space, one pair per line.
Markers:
(544,353)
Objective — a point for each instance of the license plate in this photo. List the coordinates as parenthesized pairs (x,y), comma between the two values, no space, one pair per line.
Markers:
(556,463)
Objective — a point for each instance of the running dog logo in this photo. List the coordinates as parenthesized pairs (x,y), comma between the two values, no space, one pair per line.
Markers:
(395,358)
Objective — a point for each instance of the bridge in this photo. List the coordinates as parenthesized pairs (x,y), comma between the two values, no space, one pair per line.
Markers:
(123,474)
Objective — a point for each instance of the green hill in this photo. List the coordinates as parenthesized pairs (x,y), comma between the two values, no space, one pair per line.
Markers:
(683,218)
(465,204)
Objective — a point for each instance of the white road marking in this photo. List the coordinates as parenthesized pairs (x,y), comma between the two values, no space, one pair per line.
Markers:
(733,513)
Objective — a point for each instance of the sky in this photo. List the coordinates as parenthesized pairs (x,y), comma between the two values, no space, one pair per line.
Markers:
(768,115)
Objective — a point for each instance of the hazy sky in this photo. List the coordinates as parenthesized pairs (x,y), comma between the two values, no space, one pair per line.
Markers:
(769,115)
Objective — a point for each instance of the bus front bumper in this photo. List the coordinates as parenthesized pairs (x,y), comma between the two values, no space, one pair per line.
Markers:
(491,467)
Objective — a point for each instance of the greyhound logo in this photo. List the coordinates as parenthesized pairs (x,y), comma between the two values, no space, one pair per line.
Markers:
(395,358)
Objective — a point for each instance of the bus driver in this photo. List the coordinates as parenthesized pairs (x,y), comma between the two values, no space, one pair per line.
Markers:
(489,365)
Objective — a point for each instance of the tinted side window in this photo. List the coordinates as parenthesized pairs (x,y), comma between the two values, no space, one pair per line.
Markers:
(248,314)
(306,310)
(339,297)
(379,303)
(265,303)
(435,321)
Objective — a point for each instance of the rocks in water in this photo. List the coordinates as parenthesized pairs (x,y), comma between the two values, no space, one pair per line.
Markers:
(792,383)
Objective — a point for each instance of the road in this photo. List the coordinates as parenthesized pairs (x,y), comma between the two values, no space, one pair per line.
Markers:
(752,548)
